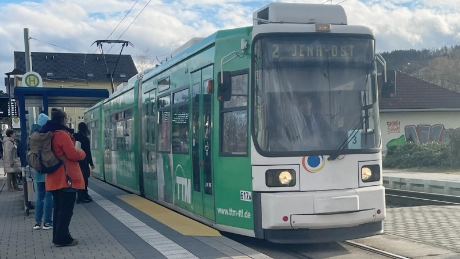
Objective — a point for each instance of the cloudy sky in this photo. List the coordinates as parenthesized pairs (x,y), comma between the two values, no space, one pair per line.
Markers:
(158,27)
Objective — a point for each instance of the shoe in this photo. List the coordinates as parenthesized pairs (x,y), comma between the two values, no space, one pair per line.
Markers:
(47,226)
(18,189)
(37,226)
(73,243)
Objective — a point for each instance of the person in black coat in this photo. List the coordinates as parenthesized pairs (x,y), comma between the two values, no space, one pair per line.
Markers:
(82,137)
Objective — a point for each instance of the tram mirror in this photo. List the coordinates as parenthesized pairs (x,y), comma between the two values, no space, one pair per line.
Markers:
(224,92)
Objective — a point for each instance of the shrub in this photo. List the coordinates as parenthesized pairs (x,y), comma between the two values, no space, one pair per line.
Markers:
(431,154)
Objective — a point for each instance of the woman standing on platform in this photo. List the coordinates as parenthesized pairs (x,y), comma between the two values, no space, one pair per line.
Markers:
(11,162)
(82,137)
(44,203)
(66,180)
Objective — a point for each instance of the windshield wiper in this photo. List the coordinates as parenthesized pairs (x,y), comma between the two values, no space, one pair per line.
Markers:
(346,140)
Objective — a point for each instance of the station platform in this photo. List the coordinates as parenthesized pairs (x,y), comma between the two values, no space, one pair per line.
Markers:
(437,183)
(115,225)
(121,225)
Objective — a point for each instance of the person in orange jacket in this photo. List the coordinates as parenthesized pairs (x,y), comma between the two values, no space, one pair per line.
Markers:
(66,180)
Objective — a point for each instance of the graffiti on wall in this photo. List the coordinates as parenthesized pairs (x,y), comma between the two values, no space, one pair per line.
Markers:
(394,126)
(421,134)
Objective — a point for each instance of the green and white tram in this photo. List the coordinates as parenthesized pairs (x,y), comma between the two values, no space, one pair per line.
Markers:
(270,131)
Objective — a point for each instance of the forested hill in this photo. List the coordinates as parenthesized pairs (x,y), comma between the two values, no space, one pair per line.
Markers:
(439,66)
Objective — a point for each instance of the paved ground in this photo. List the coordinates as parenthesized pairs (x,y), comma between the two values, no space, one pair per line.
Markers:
(106,228)
(111,228)
(438,225)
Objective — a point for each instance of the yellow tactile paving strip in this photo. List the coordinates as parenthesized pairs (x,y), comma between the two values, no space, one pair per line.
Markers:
(174,220)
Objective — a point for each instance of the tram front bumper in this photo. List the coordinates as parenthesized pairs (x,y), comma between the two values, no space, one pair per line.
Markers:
(323,209)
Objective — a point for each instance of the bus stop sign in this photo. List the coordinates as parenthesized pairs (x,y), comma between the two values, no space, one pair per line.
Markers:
(32,79)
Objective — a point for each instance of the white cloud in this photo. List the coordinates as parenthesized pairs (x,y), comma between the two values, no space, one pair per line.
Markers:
(165,25)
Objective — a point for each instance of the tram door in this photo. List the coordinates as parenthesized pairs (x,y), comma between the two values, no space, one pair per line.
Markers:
(149,157)
(203,193)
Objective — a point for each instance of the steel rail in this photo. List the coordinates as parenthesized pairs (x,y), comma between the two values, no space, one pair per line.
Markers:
(374,250)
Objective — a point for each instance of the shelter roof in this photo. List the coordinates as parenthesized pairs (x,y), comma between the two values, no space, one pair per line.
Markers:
(60,97)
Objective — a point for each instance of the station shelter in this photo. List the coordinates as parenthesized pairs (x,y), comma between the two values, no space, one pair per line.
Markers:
(32,101)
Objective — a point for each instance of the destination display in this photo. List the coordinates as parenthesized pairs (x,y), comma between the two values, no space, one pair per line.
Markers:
(339,50)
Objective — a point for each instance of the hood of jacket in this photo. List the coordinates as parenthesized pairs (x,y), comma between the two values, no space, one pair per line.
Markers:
(5,139)
(53,126)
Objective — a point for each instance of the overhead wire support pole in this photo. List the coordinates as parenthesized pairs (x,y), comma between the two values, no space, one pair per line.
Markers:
(99,44)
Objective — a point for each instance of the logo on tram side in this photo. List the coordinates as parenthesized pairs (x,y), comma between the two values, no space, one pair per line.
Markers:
(313,164)
(184,186)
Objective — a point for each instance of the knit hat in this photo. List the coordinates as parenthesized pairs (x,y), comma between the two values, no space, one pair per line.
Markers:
(42,119)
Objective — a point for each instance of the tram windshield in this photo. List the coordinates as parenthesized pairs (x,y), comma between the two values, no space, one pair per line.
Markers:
(314,95)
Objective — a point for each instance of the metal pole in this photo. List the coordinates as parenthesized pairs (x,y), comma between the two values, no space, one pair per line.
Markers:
(27,50)
(28,59)
(9,103)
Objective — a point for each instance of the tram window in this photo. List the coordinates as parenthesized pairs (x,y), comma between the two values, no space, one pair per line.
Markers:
(94,133)
(180,122)
(120,135)
(235,132)
(107,133)
(234,118)
(239,92)
(164,140)
(163,84)
(146,121)
(113,133)
(164,101)
(180,96)
(128,133)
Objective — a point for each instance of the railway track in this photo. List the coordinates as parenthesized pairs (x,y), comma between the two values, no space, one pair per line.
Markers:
(368,249)
(374,250)
(419,198)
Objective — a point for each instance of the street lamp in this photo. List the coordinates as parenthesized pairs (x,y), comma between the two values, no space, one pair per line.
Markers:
(12,73)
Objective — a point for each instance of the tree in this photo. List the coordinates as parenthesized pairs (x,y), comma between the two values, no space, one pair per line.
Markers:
(143,62)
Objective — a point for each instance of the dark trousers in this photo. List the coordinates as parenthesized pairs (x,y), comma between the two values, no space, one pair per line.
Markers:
(83,194)
(63,211)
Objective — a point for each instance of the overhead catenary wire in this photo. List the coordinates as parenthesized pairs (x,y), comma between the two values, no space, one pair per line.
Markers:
(131,23)
(32,38)
(120,22)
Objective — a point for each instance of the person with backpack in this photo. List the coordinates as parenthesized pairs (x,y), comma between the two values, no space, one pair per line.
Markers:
(44,202)
(64,182)
(11,162)
(82,137)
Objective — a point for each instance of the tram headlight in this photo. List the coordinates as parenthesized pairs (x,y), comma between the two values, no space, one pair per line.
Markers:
(280,178)
(370,173)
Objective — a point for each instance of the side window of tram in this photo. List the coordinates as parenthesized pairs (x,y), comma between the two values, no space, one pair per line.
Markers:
(94,133)
(122,130)
(128,133)
(180,138)
(234,118)
(164,126)
(108,132)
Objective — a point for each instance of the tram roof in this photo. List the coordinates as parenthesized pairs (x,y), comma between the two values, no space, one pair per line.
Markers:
(204,43)
(60,97)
